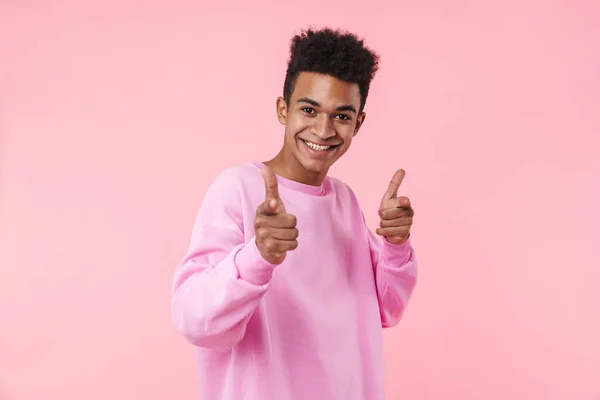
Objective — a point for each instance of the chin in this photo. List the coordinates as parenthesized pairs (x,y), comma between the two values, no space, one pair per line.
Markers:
(317,167)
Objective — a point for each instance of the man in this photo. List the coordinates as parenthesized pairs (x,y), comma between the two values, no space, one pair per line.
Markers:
(284,290)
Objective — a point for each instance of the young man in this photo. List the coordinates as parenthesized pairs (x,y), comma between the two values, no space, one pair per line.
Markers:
(285,290)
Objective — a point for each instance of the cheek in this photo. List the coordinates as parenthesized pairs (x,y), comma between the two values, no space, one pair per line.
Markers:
(295,126)
(347,133)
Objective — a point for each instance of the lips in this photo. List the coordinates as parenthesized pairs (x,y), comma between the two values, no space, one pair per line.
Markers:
(318,147)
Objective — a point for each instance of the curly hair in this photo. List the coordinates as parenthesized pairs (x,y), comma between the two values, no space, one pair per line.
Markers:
(333,52)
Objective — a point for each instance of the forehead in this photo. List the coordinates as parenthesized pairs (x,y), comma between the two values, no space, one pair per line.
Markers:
(326,89)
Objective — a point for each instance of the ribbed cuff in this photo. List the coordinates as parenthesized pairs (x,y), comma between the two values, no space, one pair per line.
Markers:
(251,266)
(396,255)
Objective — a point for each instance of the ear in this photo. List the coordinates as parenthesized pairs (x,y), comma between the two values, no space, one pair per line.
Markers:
(359,122)
(281,108)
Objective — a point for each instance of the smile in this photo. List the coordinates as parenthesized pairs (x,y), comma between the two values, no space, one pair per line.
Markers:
(317,147)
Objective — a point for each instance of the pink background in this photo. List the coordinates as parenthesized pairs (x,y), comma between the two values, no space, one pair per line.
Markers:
(115,117)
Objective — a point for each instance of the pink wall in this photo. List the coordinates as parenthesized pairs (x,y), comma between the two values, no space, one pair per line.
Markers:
(115,118)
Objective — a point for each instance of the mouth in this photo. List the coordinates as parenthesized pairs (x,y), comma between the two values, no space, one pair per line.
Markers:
(319,147)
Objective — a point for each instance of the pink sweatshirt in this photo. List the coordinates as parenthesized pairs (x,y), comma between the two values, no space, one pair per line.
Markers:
(307,329)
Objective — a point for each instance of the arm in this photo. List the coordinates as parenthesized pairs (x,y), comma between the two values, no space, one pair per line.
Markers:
(395,270)
(393,259)
(220,281)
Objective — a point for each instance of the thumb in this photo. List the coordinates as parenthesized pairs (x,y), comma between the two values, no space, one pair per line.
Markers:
(271,188)
(392,190)
(272,200)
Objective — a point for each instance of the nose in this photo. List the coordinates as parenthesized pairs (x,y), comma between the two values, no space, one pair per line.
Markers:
(323,127)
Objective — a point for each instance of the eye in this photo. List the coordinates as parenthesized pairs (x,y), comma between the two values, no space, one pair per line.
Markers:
(308,110)
(343,117)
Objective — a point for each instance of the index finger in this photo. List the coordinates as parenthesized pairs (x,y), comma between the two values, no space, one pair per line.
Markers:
(395,183)
(272,191)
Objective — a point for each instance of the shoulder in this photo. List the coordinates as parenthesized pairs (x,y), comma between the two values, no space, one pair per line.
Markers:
(343,190)
(232,180)
(232,184)
(223,200)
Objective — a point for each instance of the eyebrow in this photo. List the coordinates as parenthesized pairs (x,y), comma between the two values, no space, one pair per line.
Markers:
(314,103)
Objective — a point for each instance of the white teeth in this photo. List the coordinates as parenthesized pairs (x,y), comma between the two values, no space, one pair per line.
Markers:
(316,146)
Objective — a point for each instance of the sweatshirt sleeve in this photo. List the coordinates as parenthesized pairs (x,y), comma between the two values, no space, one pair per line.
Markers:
(395,269)
(222,278)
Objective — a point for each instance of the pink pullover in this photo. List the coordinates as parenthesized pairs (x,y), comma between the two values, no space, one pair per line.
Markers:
(307,329)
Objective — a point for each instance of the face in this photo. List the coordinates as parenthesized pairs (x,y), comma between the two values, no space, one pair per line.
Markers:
(320,121)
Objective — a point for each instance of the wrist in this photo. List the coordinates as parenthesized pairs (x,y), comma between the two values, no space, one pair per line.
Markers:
(395,240)
(251,265)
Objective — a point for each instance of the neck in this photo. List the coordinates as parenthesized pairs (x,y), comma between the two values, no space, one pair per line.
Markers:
(288,167)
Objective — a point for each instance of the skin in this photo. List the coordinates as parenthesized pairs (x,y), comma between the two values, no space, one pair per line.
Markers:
(322,110)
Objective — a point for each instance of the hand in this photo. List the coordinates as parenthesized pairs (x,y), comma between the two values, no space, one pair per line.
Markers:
(275,229)
(395,212)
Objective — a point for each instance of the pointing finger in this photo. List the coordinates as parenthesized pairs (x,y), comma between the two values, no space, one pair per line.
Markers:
(393,213)
(400,202)
(268,207)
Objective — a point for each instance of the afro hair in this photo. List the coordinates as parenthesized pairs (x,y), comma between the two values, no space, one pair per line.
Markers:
(332,52)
